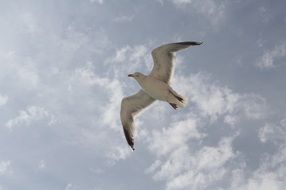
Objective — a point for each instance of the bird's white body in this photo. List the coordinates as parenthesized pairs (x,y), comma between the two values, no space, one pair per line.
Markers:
(158,89)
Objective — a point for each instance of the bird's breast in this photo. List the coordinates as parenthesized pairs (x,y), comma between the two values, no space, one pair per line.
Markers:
(155,88)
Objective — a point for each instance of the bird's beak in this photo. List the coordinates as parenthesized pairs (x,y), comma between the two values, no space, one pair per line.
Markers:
(130,75)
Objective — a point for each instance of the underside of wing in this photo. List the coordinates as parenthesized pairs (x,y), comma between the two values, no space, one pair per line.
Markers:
(163,58)
(130,106)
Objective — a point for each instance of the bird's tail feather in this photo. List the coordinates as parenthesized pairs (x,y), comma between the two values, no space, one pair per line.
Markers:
(181,101)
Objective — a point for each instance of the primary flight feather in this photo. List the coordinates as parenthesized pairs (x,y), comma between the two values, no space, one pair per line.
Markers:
(155,86)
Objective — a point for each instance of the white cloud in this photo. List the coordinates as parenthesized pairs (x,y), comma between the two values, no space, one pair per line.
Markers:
(207,166)
(271,56)
(113,88)
(5,168)
(212,10)
(183,159)
(107,110)
(155,165)
(270,175)
(29,115)
(131,58)
(264,181)
(214,157)
(231,120)
(189,168)
(118,153)
(214,101)
(176,136)
(25,74)
(3,99)
(86,75)
(273,132)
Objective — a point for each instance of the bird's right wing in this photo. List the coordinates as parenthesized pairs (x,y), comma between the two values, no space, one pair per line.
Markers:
(163,58)
(130,106)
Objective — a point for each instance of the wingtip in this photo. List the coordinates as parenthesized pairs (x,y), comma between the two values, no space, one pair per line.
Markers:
(190,43)
(197,43)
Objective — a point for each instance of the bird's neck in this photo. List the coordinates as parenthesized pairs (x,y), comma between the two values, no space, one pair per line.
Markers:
(140,80)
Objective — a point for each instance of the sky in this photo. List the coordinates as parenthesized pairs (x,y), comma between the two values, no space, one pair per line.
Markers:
(63,73)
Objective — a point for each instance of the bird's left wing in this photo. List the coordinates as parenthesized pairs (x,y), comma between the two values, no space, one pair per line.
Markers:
(130,106)
(163,58)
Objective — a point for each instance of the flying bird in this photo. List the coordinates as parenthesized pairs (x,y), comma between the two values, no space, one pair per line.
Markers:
(154,86)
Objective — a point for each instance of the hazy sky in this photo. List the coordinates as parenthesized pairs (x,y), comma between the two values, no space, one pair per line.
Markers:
(63,73)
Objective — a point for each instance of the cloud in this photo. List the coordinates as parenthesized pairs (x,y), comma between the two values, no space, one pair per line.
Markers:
(3,99)
(272,166)
(213,11)
(5,168)
(177,136)
(24,75)
(273,132)
(271,57)
(214,101)
(263,181)
(269,176)
(113,88)
(130,58)
(189,168)
(107,109)
(184,159)
(29,115)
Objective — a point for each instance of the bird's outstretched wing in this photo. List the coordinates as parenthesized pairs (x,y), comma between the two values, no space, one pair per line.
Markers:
(130,106)
(163,58)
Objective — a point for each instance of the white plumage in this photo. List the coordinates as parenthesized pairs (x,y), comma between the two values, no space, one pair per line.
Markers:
(155,86)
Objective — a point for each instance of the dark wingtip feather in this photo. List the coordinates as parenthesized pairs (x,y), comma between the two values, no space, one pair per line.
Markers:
(129,139)
(174,105)
(192,43)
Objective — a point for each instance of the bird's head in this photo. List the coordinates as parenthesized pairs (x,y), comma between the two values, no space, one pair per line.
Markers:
(137,75)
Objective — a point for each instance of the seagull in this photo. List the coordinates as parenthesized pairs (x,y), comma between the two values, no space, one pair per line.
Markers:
(154,86)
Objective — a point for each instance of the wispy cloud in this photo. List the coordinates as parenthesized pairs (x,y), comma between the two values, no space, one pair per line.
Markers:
(131,58)
(177,136)
(183,159)
(215,100)
(271,57)
(214,11)
(273,132)
(3,99)
(269,176)
(5,168)
(29,115)
(272,168)
(185,167)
